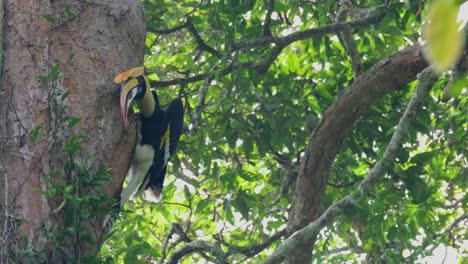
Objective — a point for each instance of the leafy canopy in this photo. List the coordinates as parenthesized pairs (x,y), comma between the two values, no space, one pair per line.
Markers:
(250,109)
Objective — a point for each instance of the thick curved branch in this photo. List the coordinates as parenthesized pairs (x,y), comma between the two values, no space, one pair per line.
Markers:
(427,80)
(263,66)
(216,250)
(184,237)
(199,246)
(386,76)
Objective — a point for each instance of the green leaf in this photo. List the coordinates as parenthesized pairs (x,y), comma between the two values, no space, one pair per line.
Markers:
(202,204)
(229,215)
(69,9)
(35,133)
(241,206)
(392,233)
(188,196)
(445,39)
(72,121)
(131,257)
(48,17)
(69,214)
(56,210)
(418,188)
(64,95)
(45,193)
(292,62)
(54,71)
(71,57)
(43,79)
(73,144)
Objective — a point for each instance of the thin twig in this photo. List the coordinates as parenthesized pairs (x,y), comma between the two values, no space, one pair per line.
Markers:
(347,40)
(165,243)
(266,25)
(200,42)
(446,232)
(165,31)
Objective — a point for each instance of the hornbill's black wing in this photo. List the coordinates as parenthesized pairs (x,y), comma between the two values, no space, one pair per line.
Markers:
(175,120)
(175,116)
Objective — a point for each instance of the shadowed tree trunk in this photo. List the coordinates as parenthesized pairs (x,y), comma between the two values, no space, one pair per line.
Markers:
(102,38)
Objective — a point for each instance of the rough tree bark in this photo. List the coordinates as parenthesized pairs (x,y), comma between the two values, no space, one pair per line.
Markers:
(386,76)
(106,36)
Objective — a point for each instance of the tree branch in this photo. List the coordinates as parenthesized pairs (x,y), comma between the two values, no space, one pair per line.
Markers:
(200,42)
(253,250)
(245,44)
(215,249)
(196,246)
(180,81)
(177,229)
(263,66)
(196,117)
(266,26)
(446,232)
(165,31)
(347,39)
(453,205)
(280,44)
(427,78)
(346,184)
(166,243)
(358,250)
(325,142)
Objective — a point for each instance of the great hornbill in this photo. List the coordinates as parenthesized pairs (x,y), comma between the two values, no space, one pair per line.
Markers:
(158,134)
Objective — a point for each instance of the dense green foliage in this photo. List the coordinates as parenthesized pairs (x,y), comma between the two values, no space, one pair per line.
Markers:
(248,119)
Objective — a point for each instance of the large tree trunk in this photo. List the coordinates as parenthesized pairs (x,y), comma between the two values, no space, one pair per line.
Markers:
(106,37)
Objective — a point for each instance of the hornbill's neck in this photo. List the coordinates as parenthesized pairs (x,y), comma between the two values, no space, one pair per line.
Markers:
(147,104)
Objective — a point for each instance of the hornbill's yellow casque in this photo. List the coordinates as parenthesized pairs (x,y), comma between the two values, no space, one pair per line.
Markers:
(158,135)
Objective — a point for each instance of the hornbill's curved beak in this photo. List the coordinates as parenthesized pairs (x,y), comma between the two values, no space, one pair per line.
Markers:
(129,90)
